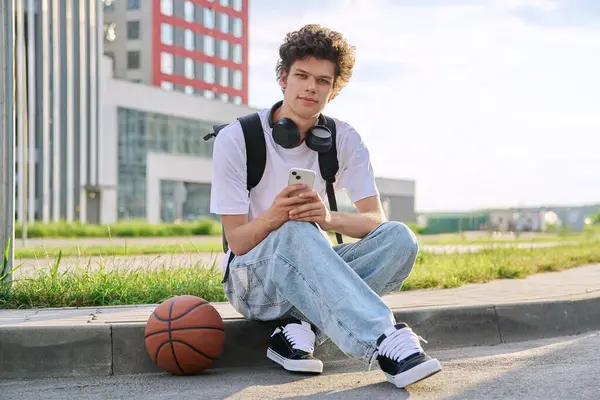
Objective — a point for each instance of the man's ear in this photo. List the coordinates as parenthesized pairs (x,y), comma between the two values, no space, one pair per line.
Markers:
(283,79)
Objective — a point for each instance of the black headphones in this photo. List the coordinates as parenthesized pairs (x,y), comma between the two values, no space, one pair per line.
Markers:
(287,135)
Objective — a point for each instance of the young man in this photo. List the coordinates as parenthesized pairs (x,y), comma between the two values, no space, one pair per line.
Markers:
(284,266)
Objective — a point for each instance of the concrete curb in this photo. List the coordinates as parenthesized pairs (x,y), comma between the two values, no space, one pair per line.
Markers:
(118,348)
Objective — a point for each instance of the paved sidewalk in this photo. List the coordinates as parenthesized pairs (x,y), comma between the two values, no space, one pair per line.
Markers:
(572,284)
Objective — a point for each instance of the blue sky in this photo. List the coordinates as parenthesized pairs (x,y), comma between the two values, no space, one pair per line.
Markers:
(490,103)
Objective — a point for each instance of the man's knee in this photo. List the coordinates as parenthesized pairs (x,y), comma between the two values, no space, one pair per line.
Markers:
(298,228)
(402,240)
(297,231)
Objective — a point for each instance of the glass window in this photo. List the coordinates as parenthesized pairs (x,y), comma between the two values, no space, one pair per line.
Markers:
(140,132)
(237,79)
(184,201)
(189,68)
(133,30)
(224,49)
(166,85)
(166,63)
(166,7)
(223,22)
(237,5)
(209,45)
(133,59)
(189,40)
(237,27)
(133,4)
(237,53)
(189,11)
(209,73)
(166,34)
(189,90)
(224,76)
(224,97)
(209,18)
(224,3)
(237,100)
(209,94)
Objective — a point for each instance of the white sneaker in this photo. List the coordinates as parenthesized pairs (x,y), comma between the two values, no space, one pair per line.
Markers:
(401,357)
(292,346)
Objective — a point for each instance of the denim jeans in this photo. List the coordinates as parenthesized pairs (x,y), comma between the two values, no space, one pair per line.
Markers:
(296,272)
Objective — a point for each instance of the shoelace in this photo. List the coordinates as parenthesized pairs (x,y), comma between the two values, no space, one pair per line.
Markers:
(399,345)
(300,337)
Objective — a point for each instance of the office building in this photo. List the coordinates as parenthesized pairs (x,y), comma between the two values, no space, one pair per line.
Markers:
(58,43)
(154,163)
(199,47)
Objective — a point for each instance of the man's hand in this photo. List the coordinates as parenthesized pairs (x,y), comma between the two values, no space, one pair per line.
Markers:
(279,212)
(313,211)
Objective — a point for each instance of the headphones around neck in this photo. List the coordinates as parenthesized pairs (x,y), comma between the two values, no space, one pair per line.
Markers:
(287,135)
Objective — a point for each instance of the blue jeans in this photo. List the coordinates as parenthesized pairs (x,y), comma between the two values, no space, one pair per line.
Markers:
(296,272)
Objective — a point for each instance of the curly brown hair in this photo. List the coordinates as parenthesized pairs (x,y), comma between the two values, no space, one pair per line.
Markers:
(314,40)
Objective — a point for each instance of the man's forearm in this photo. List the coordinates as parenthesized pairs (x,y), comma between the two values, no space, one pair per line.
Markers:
(245,237)
(355,225)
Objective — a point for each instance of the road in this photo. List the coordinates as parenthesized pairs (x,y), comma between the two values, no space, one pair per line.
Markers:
(559,368)
(30,265)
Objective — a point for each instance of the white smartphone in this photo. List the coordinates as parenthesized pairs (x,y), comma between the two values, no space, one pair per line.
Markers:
(300,175)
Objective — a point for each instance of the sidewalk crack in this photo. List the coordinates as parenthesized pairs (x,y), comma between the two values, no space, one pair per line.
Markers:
(498,324)
(112,351)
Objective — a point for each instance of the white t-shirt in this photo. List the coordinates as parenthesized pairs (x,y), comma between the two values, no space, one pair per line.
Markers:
(229,195)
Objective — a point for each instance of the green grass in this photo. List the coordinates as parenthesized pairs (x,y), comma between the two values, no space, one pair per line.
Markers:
(454,270)
(120,229)
(102,286)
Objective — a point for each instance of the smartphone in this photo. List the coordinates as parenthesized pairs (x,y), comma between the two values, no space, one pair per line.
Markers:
(304,176)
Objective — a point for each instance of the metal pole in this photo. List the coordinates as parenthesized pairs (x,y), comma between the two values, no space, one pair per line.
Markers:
(7,137)
(21,120)
(31,110)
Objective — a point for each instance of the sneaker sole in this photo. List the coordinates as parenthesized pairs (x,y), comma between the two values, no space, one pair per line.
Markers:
(315,366)
(415,374)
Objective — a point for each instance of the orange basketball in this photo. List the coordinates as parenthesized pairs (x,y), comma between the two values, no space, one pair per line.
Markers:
(184,335)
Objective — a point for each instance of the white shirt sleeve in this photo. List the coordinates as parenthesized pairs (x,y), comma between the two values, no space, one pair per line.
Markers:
(228,194)
(356,172)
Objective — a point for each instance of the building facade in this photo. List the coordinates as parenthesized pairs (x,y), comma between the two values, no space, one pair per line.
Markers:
(199,47)
(155,164)
(58,43)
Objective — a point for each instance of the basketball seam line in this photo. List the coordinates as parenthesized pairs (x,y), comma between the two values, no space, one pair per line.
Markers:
(163,344)
(182,315)
(185,329)
(193,348)
(171,338)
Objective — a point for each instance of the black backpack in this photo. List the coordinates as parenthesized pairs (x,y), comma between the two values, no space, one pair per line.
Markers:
(256,158)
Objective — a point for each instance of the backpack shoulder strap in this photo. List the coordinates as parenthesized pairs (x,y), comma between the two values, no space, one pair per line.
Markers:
(256,148)
(328,161)
(329,166)
(256,157)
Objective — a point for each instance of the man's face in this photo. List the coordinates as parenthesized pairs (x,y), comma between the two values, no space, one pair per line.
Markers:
(308,86)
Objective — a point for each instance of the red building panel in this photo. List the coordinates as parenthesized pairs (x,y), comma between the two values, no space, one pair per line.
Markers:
(158,47)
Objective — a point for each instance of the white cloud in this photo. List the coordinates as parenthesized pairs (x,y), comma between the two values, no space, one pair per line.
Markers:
(475,103)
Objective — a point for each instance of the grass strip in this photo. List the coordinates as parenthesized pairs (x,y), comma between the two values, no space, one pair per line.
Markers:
(85,286)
